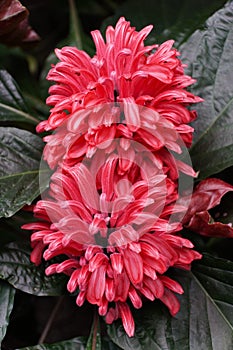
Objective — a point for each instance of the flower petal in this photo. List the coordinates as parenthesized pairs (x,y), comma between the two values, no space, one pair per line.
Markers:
(127,318)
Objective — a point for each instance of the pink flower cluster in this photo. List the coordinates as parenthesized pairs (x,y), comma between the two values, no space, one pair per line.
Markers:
(112,209)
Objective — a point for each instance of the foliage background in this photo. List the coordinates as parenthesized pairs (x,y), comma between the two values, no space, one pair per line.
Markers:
(36,309)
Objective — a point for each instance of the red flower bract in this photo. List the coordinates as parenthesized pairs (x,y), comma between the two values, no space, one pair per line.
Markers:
(117,128)
(122,68)
(123,71)
(116,235)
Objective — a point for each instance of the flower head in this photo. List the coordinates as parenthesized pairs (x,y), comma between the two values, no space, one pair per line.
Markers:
(123,67)
(123,71)
(116,235)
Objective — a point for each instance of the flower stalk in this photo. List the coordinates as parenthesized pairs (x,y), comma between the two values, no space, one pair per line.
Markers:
(75,26)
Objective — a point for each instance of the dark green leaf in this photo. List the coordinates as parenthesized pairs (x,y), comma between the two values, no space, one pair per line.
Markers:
(77,37)
(17,270)
(208,55)
(35,102)
(29,93)
(205,318)
(12,105)
(190,15)
(107,344)
(20,157)
(215,277)
(10,228)
(72,344)
(172,19)
(7,294)
(8,232)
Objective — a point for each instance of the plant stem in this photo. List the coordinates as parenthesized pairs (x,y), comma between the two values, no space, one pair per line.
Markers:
(75,24)
(95,329)
(50,320)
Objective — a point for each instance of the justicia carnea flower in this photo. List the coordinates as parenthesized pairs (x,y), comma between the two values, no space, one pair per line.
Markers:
(125,129)
(115,235)
(113,212)
(123,71)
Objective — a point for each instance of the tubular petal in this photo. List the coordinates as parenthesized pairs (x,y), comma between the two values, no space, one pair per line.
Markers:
(72,285)
(134,266)
(127,318)
(96,285)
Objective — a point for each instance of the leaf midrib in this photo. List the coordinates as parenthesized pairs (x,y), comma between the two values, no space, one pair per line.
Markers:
(212,300)
(19,112)
(31,172)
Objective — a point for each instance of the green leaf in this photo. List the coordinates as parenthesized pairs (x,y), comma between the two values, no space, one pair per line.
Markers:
(172,19)
(17,269)
(76,37)
(205,318)
(107,344)
(208,55)
(10,228)
(7,294)
(189,16)
(72,344)
(20,157)
(215,277)
(12,105)
(8,233)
